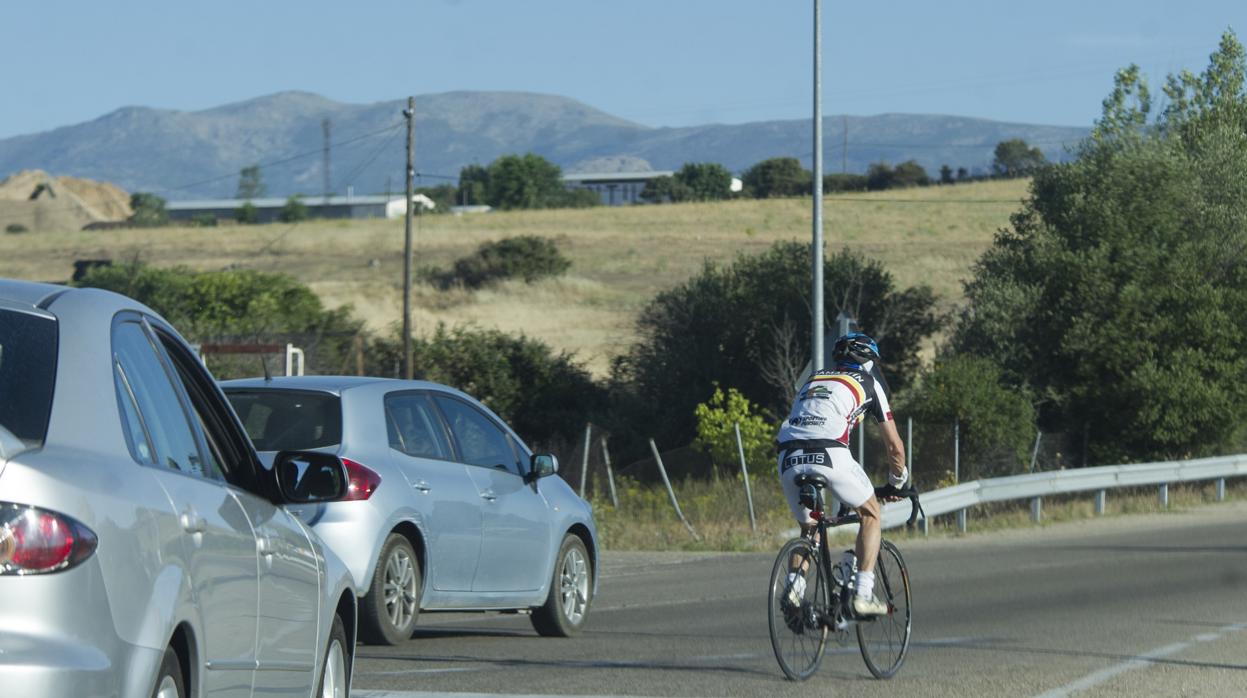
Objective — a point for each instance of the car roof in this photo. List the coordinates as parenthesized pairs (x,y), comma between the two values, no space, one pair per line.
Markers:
(330,384)
(28,294)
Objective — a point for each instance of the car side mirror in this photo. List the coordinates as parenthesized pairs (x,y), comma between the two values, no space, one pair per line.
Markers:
(542,465)
(308,477)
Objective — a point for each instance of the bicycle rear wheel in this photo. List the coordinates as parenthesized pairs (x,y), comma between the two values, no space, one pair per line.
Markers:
(885,640)
(798,633)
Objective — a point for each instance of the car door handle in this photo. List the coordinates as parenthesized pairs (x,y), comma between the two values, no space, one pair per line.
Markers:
(422,486)
(192,522)
(488,495)
(264,546)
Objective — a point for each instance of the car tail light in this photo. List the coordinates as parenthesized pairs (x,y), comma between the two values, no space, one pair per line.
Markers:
(363,481)
(36,541)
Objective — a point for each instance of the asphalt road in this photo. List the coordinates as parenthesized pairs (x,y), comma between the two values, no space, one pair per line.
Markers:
(1126,606)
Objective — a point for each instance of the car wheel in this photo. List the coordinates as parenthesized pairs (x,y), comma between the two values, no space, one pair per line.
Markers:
(169,682)
(335,672)
(571,590)
(389,609)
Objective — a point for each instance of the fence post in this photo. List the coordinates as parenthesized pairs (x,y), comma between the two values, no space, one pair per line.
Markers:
(961,520)
(1036,509)
(584,463)
(1099,502)
(1221,489)
(861,445)
(1035,450)
(957,452)
(744,470)
(909,447)
(662,470)
(1164,496)
(610,475)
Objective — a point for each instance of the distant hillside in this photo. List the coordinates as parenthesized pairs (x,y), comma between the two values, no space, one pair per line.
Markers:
(182,155)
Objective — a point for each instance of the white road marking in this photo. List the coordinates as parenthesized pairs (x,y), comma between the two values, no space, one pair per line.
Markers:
(1139,662)
(432,694)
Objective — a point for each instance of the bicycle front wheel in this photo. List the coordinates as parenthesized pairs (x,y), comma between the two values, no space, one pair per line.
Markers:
(796,611)
(885,640)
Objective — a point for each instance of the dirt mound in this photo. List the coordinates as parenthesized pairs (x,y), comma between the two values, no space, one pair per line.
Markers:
(37,201)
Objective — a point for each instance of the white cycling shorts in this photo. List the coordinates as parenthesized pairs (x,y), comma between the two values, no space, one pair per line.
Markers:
(849,483)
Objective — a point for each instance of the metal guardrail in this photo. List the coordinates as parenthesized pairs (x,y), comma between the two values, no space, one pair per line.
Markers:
(1035,486)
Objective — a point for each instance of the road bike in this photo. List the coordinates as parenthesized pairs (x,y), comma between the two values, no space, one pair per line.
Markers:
(801,622)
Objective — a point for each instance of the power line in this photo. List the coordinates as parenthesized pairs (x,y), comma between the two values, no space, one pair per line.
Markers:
(274,163)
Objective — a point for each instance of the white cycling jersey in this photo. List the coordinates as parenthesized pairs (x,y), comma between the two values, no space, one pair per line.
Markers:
(833,401)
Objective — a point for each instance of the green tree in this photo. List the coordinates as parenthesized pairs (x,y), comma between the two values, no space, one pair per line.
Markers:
(706,181)
(777,177)
(946,175)
(250,183)
(844,182)
(746,326)
(247,213)
(880,176)
(1118,294)
(910,174)
(666,189)
(996,420)
(1014,158)
(294,210)
(149,210)
(717,419)
(524,181)
(545,396)
(473,186)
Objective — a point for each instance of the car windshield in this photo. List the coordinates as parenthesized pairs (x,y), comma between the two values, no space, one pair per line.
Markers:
(27,374)
(287,420)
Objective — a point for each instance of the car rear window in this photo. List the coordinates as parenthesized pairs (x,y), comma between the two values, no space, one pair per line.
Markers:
(285,420)
(27,374)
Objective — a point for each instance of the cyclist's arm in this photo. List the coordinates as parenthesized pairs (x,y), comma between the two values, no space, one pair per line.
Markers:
(895,449)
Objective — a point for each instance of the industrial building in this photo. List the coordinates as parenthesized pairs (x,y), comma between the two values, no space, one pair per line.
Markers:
(268,210)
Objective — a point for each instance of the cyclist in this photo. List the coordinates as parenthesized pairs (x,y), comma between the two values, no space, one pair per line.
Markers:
(815,438)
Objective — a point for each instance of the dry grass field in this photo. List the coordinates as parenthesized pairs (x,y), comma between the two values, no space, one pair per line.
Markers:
(620,257)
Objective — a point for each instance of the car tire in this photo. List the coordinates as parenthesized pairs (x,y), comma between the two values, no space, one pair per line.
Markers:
(335,670)
(389,610)
(169,682)
(571,591)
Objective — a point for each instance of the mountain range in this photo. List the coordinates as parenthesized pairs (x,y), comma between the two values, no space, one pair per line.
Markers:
(197,154)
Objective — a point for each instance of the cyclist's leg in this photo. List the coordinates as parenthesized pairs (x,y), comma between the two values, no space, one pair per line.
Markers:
(853,487)
(869,535)
(792,493)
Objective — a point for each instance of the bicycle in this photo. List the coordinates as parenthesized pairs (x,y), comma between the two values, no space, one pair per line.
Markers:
(799,630)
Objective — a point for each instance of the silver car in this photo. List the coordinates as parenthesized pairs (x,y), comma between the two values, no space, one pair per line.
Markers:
(450,510)
(144,550)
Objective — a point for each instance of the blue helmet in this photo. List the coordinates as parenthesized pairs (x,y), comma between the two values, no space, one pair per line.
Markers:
(855,348)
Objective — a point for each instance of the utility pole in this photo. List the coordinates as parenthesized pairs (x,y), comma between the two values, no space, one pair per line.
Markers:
(844,148)
(324,124)
(816,327)
(410,114)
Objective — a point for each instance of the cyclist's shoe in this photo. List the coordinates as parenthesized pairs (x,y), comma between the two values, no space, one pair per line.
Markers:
(796,591)
(869,606)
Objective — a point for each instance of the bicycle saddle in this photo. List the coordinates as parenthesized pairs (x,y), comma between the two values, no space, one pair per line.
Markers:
(815,479)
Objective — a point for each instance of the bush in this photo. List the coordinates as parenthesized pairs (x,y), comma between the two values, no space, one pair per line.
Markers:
(149,210)
(716,430)
(247,213)
(997,421)
(844,182)
(526,257)
(546,397)
(15,228)
(294,211)
(204,220)
(777,177)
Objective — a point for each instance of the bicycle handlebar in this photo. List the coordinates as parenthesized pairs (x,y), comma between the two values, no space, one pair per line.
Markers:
(911,493)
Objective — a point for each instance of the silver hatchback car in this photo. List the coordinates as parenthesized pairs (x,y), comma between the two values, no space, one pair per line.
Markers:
(144,550)
(451,510)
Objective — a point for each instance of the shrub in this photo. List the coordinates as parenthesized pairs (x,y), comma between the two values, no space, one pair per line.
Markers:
(716,430)
(204,220)
(149,210)
(15,228)
(527,257)
(247,213)
(294,211)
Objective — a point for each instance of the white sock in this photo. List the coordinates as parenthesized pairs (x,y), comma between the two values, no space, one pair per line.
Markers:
(865,584)
(796,582)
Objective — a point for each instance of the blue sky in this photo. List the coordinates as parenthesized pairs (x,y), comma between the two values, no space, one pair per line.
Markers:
(657,62)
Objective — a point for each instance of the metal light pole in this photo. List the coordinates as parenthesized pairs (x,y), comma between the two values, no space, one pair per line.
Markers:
(816,326)
(409,113)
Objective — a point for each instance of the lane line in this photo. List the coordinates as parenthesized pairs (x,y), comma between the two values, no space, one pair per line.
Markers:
(1138,662)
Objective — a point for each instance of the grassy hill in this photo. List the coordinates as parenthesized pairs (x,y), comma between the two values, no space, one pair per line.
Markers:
(620,257)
